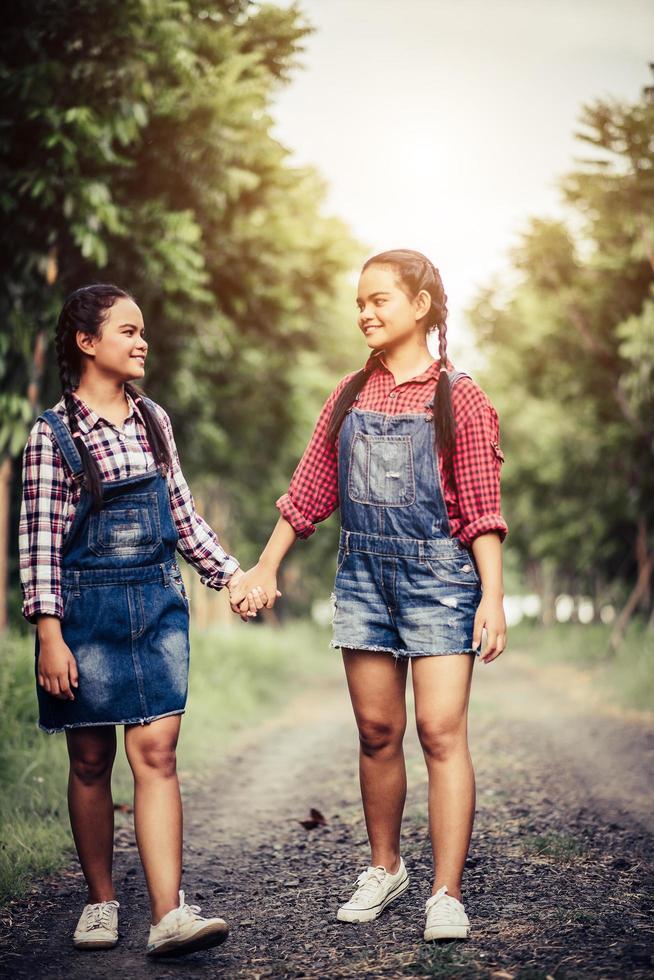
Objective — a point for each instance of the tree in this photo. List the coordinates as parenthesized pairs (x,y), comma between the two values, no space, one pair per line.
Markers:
(570,354)
(136,146)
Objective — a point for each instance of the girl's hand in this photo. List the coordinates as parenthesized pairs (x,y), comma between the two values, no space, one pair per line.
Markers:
(490,616)
(253,590)
(57,667)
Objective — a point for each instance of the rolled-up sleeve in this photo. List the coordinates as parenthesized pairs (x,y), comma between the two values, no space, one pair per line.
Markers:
(477,464)
(198,543)
(44,505)
(313,492)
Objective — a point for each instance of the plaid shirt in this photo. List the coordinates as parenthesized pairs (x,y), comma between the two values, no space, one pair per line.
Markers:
(50,497)
(473,502)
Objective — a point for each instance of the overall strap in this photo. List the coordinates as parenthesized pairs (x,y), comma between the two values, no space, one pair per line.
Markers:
(453,376)
(64,440)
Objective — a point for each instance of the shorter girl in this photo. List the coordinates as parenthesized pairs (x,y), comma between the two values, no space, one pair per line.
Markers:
(105,506)
(408,448)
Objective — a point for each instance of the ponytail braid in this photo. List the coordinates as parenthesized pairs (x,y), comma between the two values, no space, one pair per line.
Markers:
(444,422)
(68,362)
(415,272)
(86,310)
(344,401)
(159,444)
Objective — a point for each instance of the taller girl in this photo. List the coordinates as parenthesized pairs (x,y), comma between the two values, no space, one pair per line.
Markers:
(105,506)
(409,448)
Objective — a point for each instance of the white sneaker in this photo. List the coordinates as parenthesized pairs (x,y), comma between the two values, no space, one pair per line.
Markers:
(376,888)
(446,917)
(183,930)
(97,927)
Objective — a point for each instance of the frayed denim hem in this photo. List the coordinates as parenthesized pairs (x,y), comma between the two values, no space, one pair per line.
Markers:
(99,724)
(405,654)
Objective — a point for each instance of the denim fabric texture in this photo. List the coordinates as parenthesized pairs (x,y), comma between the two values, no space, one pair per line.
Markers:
(403,584)
(125,609)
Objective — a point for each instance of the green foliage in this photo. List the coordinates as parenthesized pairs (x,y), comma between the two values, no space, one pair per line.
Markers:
(136,147)
(569,355)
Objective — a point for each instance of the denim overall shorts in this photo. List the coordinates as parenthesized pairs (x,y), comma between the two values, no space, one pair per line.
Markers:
(403,584)
(125,608)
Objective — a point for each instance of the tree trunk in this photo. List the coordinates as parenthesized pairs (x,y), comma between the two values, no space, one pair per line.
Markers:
(640,590)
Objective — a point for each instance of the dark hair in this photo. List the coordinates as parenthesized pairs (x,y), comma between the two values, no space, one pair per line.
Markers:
(414,272)
(86,310)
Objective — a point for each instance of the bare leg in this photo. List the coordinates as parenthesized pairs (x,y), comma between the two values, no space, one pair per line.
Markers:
(377,685)
(157,809)
(442,689)
(92,752)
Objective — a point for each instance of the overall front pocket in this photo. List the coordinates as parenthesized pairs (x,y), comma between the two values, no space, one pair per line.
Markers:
(381,471)
(128,526)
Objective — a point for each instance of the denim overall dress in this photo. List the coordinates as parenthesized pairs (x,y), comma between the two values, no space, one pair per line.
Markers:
(125,609)
(403,584)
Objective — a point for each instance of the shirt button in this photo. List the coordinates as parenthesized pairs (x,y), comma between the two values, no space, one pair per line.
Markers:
(392,394)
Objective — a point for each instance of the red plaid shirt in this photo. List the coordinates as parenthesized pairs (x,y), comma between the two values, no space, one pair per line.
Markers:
(50,497)
(473,501)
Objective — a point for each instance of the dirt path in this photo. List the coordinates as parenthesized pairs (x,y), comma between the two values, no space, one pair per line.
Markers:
(559,880)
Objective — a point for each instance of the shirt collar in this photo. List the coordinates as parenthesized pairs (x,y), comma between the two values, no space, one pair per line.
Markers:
(87,419)
(376,362)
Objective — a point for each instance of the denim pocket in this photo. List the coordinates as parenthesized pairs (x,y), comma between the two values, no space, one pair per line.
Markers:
(177,583)
(68,597)
(341,558)
(459,570)
(381,470)
(128,527)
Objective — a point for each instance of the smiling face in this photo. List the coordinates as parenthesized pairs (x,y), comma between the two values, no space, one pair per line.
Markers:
(119,350)
(388,316)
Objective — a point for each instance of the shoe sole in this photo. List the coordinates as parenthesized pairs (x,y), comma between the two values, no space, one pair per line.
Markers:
(99,944)
(204,939)
(368,915)
(447,932)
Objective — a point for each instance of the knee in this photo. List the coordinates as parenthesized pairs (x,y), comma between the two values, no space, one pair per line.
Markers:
(441,740)
(91,768)
(154,758)
(377,735)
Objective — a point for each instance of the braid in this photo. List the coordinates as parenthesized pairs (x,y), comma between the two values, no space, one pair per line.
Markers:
(156,435)
(344,401)
(92,479)
(415,272)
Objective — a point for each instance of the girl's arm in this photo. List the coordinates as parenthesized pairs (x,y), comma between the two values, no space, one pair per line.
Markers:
(264,574)
(198,542)
(477,465)
(312,496)
(487,549)
(44,508)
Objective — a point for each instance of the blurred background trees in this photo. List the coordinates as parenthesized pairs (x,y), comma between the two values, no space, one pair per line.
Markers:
(136,146)
(569,354)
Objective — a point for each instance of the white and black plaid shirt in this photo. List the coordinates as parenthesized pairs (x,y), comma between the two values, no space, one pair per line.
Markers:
(50,497)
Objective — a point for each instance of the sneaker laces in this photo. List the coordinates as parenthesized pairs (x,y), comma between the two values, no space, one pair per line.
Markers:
(100,915)
(368,882)
(184,911)
(448,906)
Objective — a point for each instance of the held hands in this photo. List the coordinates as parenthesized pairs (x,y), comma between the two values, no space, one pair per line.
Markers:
(253,590)
(490,616)
(57,668)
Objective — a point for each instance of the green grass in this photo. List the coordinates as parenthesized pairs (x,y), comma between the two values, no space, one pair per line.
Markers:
(561,848)
(625,677)
(238,677)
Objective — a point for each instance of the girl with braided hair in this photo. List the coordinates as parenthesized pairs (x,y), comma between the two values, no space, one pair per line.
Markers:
(409,449)
(105,507)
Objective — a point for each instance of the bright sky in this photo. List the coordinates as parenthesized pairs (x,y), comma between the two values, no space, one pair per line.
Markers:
(442,124)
